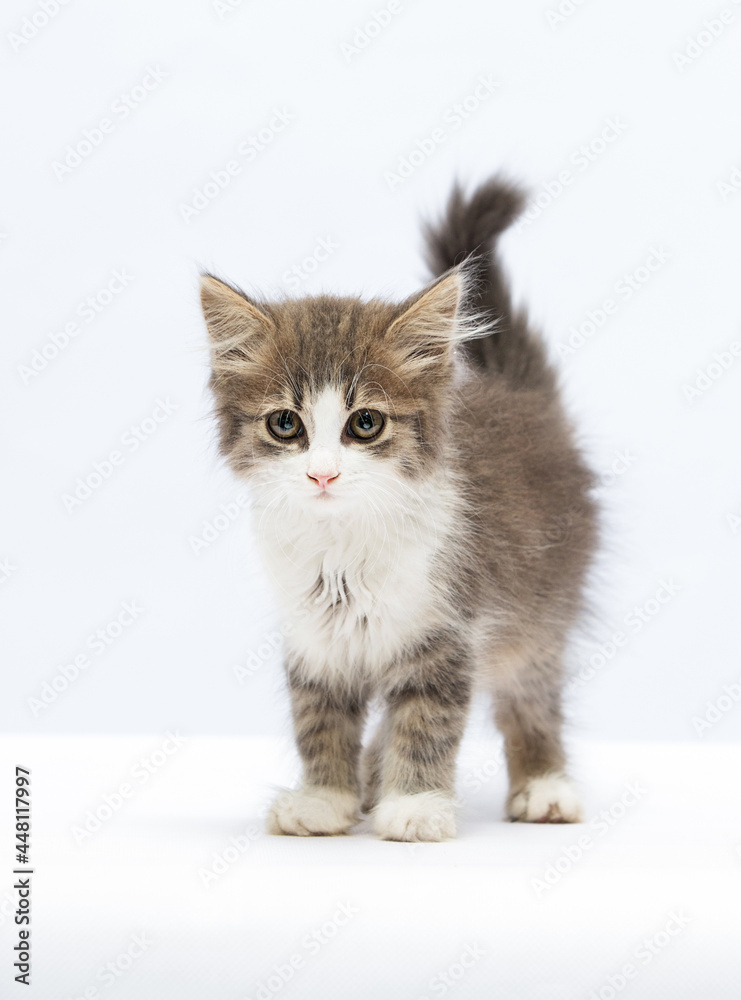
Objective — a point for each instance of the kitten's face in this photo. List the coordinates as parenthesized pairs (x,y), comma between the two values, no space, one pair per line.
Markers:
(327,402)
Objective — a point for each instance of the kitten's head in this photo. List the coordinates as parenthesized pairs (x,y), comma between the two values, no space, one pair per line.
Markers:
(327,399)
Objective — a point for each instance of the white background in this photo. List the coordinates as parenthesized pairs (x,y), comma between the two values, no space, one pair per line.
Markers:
(353,116)
(120,851)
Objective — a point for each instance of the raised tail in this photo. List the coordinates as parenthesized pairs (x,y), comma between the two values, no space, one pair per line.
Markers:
(469,229)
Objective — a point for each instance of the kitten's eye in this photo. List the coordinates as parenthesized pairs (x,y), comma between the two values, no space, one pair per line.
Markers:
(285,424)
(365,424)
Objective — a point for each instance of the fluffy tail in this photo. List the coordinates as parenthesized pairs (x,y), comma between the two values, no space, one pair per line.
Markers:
(468,229)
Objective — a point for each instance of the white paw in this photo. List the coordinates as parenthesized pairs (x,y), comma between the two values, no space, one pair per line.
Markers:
(550,799)
(307,812)
(425,816)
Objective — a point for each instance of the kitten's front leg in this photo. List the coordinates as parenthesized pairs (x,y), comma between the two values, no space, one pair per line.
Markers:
(426,718)
(328,724)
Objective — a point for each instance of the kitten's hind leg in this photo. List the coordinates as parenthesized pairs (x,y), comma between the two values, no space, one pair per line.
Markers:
(371,766)
(328,724)
(529,715)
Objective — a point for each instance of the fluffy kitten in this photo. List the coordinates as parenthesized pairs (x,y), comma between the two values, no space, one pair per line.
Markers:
(424,511)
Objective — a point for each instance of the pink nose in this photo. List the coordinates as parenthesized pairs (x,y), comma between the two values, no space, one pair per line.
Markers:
(323,480)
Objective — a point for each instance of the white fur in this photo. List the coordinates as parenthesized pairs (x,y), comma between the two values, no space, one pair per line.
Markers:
(425,816)
(327,418)
(550,799)
(307,812)
(369,539)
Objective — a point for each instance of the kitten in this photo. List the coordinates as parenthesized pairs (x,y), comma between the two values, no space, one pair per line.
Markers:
(426,516)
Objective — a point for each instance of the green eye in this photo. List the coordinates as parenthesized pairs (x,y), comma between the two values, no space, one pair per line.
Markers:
(365,424)
(285,424)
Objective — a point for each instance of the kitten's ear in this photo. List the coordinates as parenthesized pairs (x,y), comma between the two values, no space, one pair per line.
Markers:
(429,327)
(234,323)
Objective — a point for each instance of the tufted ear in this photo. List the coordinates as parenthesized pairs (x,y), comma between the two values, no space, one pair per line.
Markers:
(430,325)
(235,324)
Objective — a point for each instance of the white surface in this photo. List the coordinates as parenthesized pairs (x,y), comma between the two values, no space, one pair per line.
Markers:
(675,848)
(655,185)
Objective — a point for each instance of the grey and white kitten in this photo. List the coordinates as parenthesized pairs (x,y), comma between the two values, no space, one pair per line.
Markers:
(426,516)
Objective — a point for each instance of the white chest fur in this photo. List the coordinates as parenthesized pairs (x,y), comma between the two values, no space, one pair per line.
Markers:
(357,589)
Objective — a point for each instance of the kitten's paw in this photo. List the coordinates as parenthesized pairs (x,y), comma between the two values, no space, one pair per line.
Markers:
(313,812)
(425,816)
(550,799)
